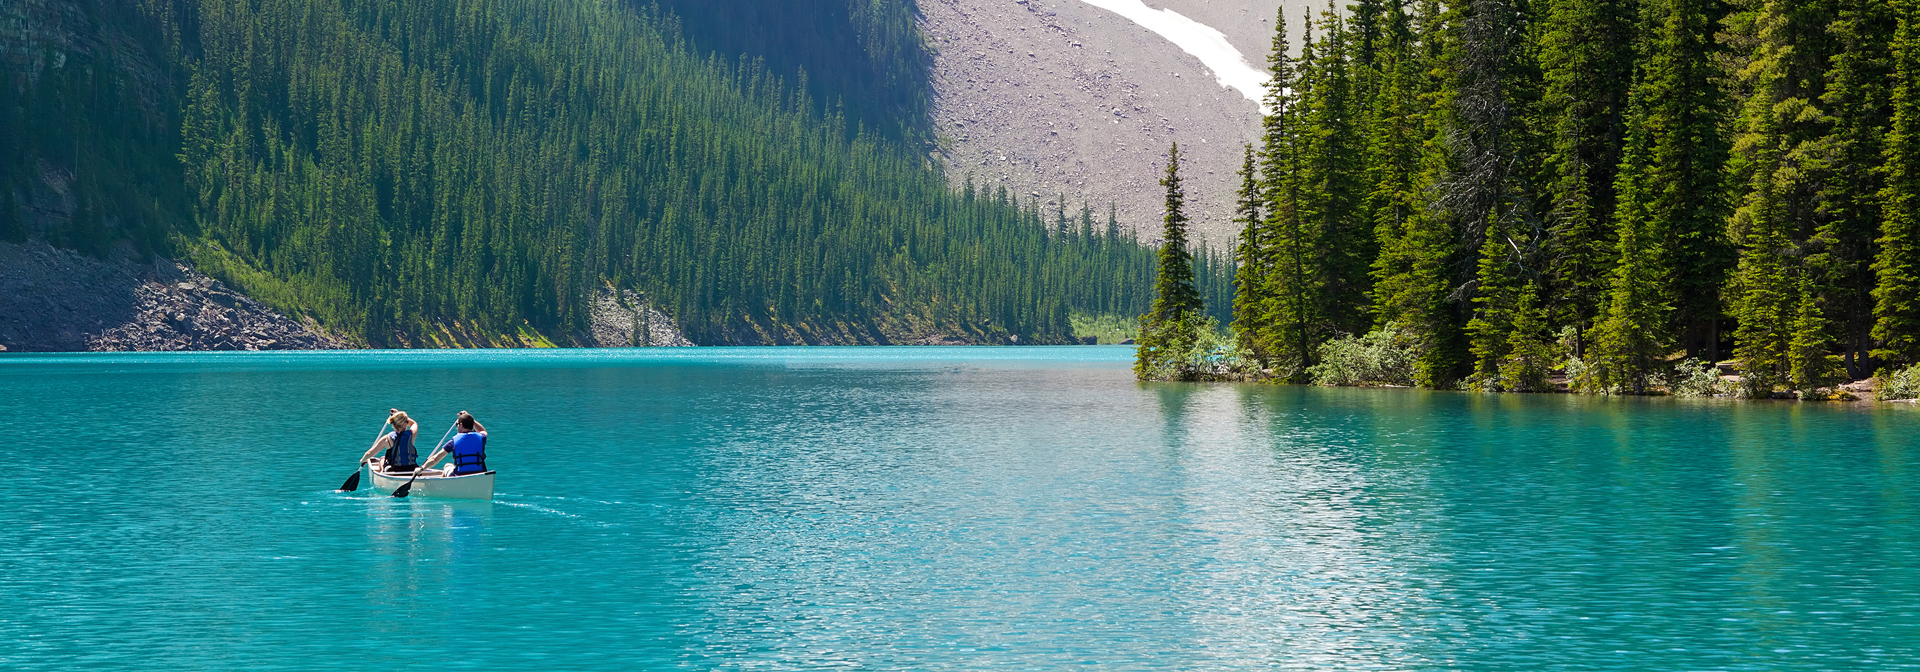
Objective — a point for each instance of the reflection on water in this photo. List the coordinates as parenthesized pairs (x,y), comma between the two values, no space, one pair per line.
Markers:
(916,511)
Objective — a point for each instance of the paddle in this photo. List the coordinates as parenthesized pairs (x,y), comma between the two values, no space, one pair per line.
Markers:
(408,486)
(353,482)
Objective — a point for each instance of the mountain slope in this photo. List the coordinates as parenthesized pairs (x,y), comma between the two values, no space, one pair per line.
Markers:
(1053,97)
(399,170)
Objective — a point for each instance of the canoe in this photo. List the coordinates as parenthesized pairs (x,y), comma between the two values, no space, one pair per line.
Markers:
(435,483)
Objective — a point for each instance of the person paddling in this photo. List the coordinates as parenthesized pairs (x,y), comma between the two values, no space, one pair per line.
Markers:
(400,457)
(468,447)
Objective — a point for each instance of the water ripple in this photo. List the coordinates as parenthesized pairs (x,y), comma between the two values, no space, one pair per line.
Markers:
(936,509)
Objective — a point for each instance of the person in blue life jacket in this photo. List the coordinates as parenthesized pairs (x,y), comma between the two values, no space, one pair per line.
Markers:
(468,447)
(400,455)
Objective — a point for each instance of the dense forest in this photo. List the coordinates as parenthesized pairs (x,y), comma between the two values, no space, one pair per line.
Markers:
(396,169)
(1600,187)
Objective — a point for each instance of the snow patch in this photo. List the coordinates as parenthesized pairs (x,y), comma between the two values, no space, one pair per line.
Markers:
(1198,39)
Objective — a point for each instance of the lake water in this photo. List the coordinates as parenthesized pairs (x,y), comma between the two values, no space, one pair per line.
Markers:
(934,508)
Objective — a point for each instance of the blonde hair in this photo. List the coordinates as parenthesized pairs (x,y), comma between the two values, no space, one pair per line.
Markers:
(400,421)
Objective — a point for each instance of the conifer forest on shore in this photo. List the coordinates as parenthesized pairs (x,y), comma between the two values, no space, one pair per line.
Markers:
(1611,195)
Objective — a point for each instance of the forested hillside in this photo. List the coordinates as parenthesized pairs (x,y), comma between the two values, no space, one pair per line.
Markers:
(401,169)
(1599,186)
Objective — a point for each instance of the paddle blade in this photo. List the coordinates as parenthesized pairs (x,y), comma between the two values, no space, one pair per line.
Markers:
(404,489)
(353,482)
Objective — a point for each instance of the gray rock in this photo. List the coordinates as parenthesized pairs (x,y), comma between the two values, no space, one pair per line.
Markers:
(58,300)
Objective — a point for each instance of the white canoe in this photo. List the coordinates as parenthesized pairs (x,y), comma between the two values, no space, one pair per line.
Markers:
(435,483)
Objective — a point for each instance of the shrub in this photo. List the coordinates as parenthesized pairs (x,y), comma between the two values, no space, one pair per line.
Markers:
(1192,349)
(1579,375)
(1106,328)
(1902,384)
(1694,378)
(1385,356)
(1756,385)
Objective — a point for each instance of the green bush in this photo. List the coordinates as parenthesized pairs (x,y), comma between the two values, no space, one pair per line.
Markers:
(1902,384)
(1192,349)
(1385,356)
(1756,385)
(1107,329)
(1694,378)
(1579,375)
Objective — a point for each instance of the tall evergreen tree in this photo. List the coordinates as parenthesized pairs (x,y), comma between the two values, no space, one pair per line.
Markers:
(1859,110)
(1629,339)
(1587,55)
(1896,291)
(1174,295)
(1394,140)
(1767,281)
(1672,206)
(1416,270)
(1292,281)
(1333,185)
(1779,72)
(1488,197)
(1249,256)
(1171,326)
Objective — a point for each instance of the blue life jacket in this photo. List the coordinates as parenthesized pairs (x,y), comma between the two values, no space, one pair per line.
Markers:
(402,453)
(469,453)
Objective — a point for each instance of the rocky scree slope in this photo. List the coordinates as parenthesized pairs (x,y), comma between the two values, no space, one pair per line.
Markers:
(58,300)
(1051,97)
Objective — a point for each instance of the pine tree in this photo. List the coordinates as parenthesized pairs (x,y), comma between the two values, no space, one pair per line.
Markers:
(1807,363)
(1859,110)
(1174,296)
(1670,218)
(1485,192)
(1415,272)
(1333,190)
(1587,55)
(1249,278)
(1395,195)
(1498,103)
(1530,350)
(1629,339)
(1780,76)
(1291,280)
(1766,286)
(1497,296)
(1896,291)
(1171,326)
(1368,27)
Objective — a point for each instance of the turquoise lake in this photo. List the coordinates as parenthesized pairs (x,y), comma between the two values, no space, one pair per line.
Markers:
(934,508)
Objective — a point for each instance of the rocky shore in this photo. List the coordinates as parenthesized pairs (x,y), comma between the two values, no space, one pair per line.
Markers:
(54,300)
